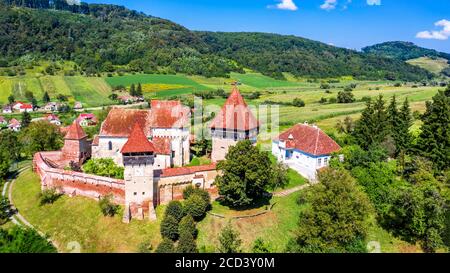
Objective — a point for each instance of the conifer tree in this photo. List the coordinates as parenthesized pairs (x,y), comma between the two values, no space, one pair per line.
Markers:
(187,244)
(364,127)
(380,121)
(132,90)
(434,140)
(46,98)
(404,136)
(139,90)
(26,119)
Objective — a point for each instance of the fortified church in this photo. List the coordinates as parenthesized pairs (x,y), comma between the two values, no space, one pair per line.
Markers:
(153,146)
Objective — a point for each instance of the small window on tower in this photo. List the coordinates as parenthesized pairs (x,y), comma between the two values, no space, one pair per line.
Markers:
(143,193)
(135,193)
(110,146)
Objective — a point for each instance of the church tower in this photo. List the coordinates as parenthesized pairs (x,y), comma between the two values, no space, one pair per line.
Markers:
(76,147)
(138,158)
(235,122)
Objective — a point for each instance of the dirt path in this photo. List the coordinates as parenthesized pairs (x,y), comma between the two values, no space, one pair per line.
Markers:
(290,191)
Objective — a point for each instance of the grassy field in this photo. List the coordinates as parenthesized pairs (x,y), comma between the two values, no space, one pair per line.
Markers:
(80,220)
(432,65)
(89,90)
(181,84)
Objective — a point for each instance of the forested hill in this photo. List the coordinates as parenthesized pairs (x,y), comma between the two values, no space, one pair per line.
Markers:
(273,53)
(108,38)
(403,51)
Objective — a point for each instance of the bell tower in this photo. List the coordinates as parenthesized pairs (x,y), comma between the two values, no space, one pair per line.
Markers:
(138,158)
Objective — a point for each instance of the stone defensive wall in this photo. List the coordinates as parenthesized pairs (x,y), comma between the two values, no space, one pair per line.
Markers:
(75,183)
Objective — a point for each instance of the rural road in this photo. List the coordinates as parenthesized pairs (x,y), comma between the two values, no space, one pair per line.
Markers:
(17,218)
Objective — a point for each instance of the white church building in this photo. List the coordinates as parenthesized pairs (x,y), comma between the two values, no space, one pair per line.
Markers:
(304,148)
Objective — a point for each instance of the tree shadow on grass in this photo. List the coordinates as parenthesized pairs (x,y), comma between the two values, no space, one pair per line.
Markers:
(257,203)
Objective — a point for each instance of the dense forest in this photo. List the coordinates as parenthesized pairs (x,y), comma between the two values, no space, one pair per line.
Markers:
(403,51)
(109,38)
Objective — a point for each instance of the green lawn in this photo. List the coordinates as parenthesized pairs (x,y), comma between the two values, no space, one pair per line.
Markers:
(79,219)
(432,65)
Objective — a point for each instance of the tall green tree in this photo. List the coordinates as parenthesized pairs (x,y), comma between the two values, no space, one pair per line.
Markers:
(9,141)
(132,90)
(40,136)
(5,161)
(186,243)
(434,139)
(373,127)
(166,246)
(336,218)
(400,122)
(46,97)
(247,173)
(26,119)
(139,90)
(24,240)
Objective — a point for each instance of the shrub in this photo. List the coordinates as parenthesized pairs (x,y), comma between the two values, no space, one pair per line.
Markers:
(169,228)
(196,206)
(323,100)
(175,209)
(24,240)
(48,196)
(260,246)
(187,243)
(5,210)
(332,100)
(190,190)
(345,97)
(298,102)
(166,246)
(104,167)
(107,207)
(229,240)
(187,224)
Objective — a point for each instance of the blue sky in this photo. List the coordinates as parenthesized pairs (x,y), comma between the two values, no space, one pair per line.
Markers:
(345,23)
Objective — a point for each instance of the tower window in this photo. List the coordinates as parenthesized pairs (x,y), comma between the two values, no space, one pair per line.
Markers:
(110,146)
(135,193)
(143,193)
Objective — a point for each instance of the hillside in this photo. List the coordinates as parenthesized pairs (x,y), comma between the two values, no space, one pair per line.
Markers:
(113,39)
(404,51)
(434,65)
(273,54)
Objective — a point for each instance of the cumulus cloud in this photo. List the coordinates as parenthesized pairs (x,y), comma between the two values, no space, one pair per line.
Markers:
(442,34)
(329,5)
(285,5)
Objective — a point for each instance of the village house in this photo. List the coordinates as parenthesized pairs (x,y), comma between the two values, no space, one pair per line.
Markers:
(17,105)
(87,119)
(14,125)
(26,107)
(3,122)
(234,122)
(53,119)
(7,109)
(78,106)
(304,148)
(53,106)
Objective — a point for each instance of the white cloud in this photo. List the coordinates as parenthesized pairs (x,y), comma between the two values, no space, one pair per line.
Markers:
(73,2)
(285,5)
(374,2)
(442,34)
(329,4)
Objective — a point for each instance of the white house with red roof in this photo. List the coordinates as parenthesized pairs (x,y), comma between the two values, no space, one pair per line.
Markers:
(87,119)
(7,109)
(53,119)
(26,107)
(304,148)
(234,122)
(14,125)
(166,124)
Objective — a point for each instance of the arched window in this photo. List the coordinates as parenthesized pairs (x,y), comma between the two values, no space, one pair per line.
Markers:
(110,146)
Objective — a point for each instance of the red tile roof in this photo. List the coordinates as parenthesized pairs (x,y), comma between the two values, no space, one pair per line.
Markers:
(137,142)
(309,139)
(187,170)
(235,114)
(14,122)
(168,114)
(120,122)
(2,119)
(162,145)
(26,106)
(75,132)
